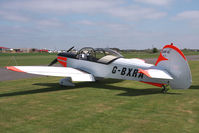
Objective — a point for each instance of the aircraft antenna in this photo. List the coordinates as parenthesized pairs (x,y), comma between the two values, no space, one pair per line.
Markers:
(15,60)
(12,58)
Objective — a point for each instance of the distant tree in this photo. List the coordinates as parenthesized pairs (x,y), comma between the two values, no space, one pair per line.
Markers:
(33,50)
(154,50)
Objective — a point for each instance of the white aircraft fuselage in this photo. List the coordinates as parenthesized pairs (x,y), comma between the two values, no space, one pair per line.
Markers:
(121,68)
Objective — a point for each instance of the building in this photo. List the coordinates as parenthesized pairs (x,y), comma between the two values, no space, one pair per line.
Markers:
(43,51)
(4,49)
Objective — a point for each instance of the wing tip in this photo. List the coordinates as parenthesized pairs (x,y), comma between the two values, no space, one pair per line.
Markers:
(13,68)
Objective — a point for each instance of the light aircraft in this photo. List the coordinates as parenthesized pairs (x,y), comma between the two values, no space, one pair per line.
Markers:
(88,64)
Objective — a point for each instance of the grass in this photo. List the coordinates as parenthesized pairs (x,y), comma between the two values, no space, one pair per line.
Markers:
(32,59)
(188,52)
(141,55)
(109,106)
(25,54)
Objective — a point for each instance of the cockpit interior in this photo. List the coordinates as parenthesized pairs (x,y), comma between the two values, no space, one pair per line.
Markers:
(100,55)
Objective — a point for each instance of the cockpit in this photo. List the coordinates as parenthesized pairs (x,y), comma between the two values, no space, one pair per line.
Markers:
(100,55)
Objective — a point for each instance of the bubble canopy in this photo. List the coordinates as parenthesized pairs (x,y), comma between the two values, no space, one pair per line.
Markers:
(101,55)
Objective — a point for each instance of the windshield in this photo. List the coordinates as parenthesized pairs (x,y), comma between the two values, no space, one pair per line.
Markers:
(101,52)
(101,55)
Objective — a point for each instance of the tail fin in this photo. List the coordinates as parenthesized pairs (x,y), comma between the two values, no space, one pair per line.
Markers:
(173,60)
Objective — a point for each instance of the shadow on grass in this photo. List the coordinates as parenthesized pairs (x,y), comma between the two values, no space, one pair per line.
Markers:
(194,87)
(103,84)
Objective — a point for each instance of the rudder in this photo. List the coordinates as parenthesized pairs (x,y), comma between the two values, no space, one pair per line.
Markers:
(173,60)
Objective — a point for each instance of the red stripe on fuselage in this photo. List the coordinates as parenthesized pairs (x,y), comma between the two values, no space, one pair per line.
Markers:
(160,58)
(62,61)
(62,58)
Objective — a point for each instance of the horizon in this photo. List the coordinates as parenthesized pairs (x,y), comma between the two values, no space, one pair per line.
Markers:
(121,49)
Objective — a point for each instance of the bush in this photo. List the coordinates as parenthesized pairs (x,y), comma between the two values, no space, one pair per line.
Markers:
(154,50)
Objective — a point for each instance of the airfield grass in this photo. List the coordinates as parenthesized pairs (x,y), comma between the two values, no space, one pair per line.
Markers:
(26,59)
(108,106)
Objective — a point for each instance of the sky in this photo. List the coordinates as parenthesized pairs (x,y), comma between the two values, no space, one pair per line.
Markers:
(125,24)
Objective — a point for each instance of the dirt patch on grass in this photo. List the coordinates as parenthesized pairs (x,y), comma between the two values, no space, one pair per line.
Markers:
(101,107)
(187,111)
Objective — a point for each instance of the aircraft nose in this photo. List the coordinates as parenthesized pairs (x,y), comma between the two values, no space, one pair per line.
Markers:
(61,54)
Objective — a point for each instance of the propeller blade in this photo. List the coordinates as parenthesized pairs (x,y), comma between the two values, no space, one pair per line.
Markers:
(53,62)
(70,49)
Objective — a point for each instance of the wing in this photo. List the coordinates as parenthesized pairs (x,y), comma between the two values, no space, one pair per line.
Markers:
(75,74)
(156,73)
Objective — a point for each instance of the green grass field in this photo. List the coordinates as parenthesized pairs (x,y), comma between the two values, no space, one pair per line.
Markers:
(26,59)
(108,106)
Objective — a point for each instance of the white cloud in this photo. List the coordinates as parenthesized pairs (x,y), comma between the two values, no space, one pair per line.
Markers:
(16,17)
(61,6)
(189,15)
(136,13)
(86,22)
(105,25)
(13,16)
(155,2)
(116,8)
(50,23)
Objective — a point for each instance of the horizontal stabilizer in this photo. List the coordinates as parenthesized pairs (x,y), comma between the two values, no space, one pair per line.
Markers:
(75,74)
(156,73)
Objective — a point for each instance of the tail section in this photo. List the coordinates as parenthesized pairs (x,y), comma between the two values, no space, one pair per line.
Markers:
(175,63)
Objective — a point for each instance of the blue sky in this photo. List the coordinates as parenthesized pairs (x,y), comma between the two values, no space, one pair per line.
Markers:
(134,24)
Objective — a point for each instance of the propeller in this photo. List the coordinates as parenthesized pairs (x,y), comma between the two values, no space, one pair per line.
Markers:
(70,49)
(55,60)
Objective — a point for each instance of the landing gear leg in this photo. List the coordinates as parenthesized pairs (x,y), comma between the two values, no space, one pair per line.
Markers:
(66,82)
(164,89)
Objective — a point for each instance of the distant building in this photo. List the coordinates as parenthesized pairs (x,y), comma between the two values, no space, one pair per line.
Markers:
(43,50)
(25,50)
(4,49)
(17,50)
